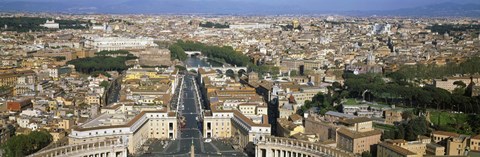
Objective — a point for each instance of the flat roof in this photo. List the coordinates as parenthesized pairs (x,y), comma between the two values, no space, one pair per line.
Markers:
(338,114)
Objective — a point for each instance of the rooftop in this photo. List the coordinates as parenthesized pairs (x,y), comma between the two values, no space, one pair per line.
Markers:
(110,120)
(353,121)
(397,149)
(356,135)
(445,133)
(121,118)
(338,114)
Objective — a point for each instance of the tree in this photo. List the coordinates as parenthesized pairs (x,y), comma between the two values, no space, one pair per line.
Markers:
(474,122)
(177,52)
(97,73)
(388,134)
(410,134)
(460,84)
(101,63)
(105,84)
(209,24)
(26,24)
(400,134)
(406,115)
(419,126)
(22,145)
(366,154)
(293,73)
(336,86)
(180,68)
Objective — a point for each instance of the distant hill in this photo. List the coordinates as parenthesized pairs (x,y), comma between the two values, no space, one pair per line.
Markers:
(436,10)
(224,7)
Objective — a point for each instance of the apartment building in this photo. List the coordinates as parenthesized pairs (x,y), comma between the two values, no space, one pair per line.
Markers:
(455,144)
(225,124)
(390,150)
(475,143)
(236,111)
(134,124)
(10,78)
(149,85)
(357,135)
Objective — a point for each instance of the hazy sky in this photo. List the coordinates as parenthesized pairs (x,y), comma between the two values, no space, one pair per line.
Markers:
(309,5)
(346,4)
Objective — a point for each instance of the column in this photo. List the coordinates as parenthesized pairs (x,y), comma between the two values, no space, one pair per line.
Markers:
(268,152)
(275,153)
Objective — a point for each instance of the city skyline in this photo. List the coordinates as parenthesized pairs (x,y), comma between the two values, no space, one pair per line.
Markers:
(247,78)
(349,7)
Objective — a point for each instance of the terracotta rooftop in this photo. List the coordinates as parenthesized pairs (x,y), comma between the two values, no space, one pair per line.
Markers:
(295,117)
(445,133)
(396,149)
(356,135)
(396,141)
(243,117)
(476,137)
(352,121)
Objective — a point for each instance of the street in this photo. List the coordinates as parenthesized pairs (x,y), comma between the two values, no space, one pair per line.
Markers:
(189,107)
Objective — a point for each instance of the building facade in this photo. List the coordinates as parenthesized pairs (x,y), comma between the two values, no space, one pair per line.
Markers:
(132,123)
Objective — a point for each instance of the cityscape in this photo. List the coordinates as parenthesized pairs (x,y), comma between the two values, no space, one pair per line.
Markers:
(212,78)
